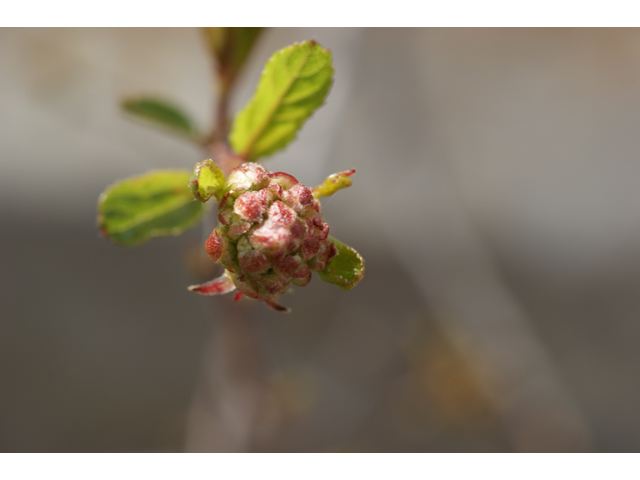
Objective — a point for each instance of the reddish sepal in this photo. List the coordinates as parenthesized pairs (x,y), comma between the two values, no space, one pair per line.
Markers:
(218,286)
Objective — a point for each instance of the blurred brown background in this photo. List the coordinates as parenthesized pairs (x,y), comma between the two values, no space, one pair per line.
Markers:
(496,204)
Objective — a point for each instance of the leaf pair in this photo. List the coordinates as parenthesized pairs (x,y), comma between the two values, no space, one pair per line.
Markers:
(294,83)
(230,48)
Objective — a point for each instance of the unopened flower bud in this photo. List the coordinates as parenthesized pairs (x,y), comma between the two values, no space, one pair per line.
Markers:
(271,234)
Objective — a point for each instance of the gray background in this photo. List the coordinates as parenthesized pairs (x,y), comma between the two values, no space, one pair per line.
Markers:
(495,203)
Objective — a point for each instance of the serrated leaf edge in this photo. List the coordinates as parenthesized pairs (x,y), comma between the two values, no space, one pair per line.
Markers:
(246,154)
(154,233)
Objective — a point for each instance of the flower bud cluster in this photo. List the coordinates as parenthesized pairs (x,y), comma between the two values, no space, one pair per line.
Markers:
(271,233)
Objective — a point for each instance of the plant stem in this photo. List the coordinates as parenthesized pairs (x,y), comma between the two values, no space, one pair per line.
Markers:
(227,401)
(223,413)
(222,111)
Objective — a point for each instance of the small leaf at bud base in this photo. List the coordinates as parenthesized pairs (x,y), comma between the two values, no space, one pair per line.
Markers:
(333,183)
(346,269)
(207,181)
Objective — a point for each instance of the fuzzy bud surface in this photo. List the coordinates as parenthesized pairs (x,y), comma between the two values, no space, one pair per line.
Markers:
(271,233)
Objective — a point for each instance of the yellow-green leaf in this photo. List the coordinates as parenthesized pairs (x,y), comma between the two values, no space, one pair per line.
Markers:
(158,203)
(294,83)
(207,181)
(162,113)
(345,269)
(333,183)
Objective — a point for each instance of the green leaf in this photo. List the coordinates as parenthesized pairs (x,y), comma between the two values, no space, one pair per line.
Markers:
(163,114)
(333,183)
(294,83)
(231,47)
(345,269)
(155,204)
(207,181)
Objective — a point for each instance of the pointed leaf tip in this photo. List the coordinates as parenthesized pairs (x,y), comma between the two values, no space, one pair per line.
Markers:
(333,183)
(346,269)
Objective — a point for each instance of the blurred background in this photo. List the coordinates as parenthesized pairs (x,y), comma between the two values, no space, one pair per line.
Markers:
(496,204)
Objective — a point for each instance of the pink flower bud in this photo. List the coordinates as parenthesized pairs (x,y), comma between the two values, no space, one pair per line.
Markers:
(271,233)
